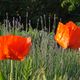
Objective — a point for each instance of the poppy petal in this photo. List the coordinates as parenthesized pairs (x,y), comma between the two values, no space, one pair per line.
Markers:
(14,47)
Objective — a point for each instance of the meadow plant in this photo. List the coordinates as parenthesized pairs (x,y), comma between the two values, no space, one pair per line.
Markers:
(45,61)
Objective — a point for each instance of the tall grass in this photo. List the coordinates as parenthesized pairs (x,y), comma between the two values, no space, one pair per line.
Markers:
(45,61)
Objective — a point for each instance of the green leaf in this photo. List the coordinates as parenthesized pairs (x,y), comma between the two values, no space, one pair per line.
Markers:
(2,76)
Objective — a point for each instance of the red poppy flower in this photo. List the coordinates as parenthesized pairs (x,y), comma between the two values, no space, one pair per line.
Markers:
(67,35)
(62,36)
(14,47)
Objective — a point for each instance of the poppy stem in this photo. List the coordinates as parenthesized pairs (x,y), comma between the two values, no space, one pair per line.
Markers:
(11,72)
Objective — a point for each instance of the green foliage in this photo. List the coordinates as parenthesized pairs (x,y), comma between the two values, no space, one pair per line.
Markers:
(70,4)
(27,69)
(39,75)
(2,76)
(65,77)
(78,23)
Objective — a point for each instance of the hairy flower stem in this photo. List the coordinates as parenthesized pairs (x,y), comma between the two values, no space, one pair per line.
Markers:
(11,72)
